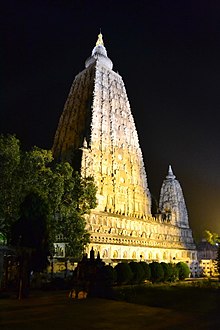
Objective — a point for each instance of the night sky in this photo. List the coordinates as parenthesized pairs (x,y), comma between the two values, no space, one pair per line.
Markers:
(168,54)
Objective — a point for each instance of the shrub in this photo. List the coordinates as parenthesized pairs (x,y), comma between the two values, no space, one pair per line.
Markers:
(174,272)
(138,272)
(168,270)
(183,270)
(103,282)
(147,271)
(124,273)
(107,275)
(38,280)
(157,273)
(218,261)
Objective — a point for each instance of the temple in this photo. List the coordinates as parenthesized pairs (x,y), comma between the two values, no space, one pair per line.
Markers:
(97,135)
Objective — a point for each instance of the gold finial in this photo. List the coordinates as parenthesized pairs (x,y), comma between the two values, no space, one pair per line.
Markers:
(100,40)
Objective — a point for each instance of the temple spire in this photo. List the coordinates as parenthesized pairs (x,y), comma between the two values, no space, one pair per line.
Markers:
(99,54)
(170,174)
(100,40)
(172,200)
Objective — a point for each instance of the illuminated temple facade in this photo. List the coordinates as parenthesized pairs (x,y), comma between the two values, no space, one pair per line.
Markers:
(97,135)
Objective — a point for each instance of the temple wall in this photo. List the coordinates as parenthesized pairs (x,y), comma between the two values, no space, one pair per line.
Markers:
(116,253)
(112,229)
(124,238)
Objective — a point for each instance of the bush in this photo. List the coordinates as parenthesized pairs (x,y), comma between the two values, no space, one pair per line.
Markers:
(138,272)
(147,271)
(157,273)
(183,270)
(38,280)
(124,273)
(57,283)
(218,261)
(168,271)
(174,272)
(103,282)
(107,275)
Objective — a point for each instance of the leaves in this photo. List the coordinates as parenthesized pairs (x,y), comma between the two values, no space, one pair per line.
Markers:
(212,238)
(10,197)
(67,195)
(30,233)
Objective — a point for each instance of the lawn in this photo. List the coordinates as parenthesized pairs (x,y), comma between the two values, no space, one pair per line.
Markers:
(201,302)
(143,307)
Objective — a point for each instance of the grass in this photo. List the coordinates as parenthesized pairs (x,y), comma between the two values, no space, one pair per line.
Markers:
(198,299)
(173,307)
(178,297)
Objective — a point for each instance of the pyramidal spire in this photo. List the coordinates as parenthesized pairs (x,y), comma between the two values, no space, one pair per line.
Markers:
(170,174)
(172,199)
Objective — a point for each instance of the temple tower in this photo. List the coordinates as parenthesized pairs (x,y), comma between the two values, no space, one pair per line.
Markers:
(172,203)
(97,135)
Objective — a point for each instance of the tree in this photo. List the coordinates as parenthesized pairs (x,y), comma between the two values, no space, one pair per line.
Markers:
(77,199)
(20,174)
(174,272)
(10,197)
(124,273)
(218,260)
(30,237)
(108,275)
(147,270)
(168,271)
(183,270)
(138,272)
(31,231)
(157,273)
(211,237)
(68,196)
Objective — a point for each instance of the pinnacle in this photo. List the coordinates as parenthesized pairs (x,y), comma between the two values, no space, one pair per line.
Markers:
(100,39)
(99,54)
(170,174)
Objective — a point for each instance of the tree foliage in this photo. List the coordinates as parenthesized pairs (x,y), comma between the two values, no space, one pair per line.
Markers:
(10,185)
(138,272)
(174,272)
(157,273)
(67,195)
(124,273)
(183,270)
(168,271)
(218,260)
(147,270)
(211,237)
(76,200)
(30,233)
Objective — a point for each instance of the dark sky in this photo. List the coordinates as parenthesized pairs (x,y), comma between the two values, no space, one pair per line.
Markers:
(168,54)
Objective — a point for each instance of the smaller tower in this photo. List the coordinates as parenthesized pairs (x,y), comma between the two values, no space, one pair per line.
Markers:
(172,203)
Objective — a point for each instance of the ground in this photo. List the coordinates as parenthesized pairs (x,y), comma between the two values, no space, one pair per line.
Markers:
(54,310)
